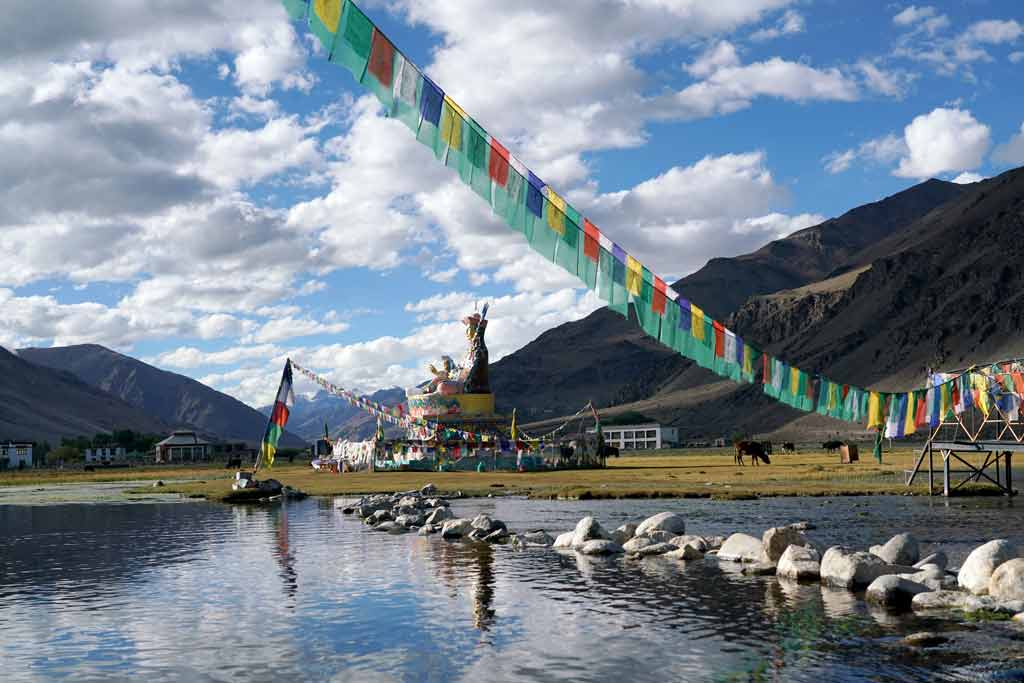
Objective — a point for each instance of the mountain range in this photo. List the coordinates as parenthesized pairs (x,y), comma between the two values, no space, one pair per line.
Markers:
(311,414)
(167,400)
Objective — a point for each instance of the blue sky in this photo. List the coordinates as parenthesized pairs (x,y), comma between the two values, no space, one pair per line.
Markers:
(199,188)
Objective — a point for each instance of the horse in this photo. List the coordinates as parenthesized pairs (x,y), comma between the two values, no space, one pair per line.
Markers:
(832,446)
(789,447)
(754,449)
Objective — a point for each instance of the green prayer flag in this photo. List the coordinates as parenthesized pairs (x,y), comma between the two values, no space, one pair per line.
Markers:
(352,47)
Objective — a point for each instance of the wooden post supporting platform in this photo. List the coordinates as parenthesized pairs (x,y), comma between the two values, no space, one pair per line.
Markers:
(931,471)
(945,473)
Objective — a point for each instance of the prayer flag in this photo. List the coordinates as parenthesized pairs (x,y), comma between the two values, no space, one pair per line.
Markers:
(556,212)
(353,42)
(498,166)
(296,8)
(876,411)
(451,124)
(910,414)
(685,315)
(534,195)
(382,60)
(591,241)
(323,21)
(658,303)
(405,96)
(431,99)
(634,276)
(697,322)
(719,339)
(278,418)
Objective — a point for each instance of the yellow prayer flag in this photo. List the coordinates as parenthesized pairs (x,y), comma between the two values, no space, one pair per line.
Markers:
(556,217)
(451,125)
(910,423)
(696,322)
(328,12)
(634,276)
(794,381)
(876,411)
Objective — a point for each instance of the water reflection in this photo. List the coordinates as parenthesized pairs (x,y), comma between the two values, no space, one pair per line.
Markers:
(195,592)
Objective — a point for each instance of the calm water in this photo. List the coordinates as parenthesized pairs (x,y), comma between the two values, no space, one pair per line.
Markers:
(194,592)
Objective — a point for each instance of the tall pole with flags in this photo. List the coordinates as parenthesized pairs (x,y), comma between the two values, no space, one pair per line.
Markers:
(278,418)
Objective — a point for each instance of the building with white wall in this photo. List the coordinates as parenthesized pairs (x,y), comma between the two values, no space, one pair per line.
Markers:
(14,455)
(640,437)
(183,446)
(106,454)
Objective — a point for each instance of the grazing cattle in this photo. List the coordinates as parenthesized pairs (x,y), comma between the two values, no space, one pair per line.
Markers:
(754,449)
(789,447)
(832,446)
(609,451)
(234,463)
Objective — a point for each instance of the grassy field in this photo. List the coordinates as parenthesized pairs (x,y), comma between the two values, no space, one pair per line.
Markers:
(686,473)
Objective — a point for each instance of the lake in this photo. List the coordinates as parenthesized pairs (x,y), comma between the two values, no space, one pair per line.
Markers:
(201,592)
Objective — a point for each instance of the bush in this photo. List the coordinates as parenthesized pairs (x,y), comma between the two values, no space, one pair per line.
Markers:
(64,454)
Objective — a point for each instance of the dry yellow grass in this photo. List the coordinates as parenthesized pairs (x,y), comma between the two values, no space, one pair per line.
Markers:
(671,474)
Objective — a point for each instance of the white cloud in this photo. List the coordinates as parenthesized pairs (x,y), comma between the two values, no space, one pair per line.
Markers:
(889,82)
(719,56)
(993,32)
(913,14)
(232,157)
(1016,57)
(281,329)
(732,88)
(189,357)
(968,177)
(1011,152)
(943,140)
(791,22)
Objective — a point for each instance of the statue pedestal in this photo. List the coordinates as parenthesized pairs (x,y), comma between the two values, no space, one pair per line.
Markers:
(440,408)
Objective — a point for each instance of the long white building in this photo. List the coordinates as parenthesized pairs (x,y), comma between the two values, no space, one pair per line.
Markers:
(640,437)
(16,455)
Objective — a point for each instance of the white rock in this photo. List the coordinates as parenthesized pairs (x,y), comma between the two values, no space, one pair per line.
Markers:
(439,515)
(486,524)
(663,521)
(635,545)
(894,591)
(587,529)
(697,542)
(1019,618)
(982,562)
(624,533)
(937,558)
(944,599)
(777,539)
(564,540)
(656,549)
(599,546)
(760,568)
(800,564)
(843,568)
(456,528)
(409,520)
(900,549)
(687,553)
(742,548)
(1007,582)
(714,542)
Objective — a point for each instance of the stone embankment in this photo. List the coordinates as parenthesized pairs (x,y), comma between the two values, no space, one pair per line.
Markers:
(893,574)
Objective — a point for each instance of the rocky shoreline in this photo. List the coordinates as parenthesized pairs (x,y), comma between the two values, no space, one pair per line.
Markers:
(990,583)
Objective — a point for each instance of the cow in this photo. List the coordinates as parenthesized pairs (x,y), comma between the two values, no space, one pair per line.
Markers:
(754,449)
(832,446)
(789,447)
(609,451)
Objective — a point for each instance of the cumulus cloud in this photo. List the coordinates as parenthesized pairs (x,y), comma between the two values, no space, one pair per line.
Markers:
(1011,152)
(913,14)
(943,140)
(968,177)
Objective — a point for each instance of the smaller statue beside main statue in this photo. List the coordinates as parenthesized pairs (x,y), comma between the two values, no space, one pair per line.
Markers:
(462,389)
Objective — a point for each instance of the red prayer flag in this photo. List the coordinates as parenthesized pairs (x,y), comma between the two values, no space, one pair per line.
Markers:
(921,419)
(1018,382)
(766,374)
(719,339)
(498,166)
(382,59)
(591,241)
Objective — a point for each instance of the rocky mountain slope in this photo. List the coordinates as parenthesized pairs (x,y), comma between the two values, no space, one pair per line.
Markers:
(606,358)
(43,404)
(170,398)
